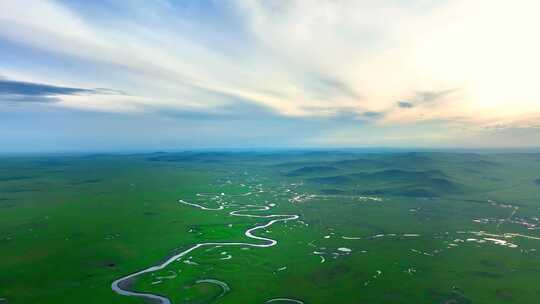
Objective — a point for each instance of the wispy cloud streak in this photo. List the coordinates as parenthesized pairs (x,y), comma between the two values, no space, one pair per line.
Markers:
(380,64)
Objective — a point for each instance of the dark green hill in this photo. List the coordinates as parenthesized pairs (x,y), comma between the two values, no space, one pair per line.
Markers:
(312,170)
(414,192)
(331,180)
(428,183)
(361,162)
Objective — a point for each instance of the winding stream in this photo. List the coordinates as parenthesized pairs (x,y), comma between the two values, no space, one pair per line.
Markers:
(120,285)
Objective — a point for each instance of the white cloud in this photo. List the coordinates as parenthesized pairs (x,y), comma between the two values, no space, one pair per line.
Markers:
(306,58)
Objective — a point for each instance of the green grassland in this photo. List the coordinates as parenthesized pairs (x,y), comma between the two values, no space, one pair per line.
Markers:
(406,228)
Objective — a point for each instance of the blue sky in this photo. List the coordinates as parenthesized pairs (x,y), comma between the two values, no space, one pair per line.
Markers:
(125,75)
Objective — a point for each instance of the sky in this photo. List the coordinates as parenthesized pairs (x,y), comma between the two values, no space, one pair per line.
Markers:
(165,75)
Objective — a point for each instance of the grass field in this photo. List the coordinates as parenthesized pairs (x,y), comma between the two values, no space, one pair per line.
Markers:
(449,228)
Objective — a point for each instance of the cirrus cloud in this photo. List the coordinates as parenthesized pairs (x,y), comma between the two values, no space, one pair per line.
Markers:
(383,64)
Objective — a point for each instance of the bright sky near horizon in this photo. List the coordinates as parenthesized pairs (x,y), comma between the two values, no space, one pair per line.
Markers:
(98,75)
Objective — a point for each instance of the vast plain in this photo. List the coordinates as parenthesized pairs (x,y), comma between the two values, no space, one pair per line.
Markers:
(270,227)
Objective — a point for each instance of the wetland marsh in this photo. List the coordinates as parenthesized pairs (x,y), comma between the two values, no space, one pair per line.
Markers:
(280,227)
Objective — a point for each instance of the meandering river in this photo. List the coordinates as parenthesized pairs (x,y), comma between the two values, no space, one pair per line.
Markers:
(121,285)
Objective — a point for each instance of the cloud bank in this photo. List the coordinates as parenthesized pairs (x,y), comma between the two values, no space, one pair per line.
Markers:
(353,73)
